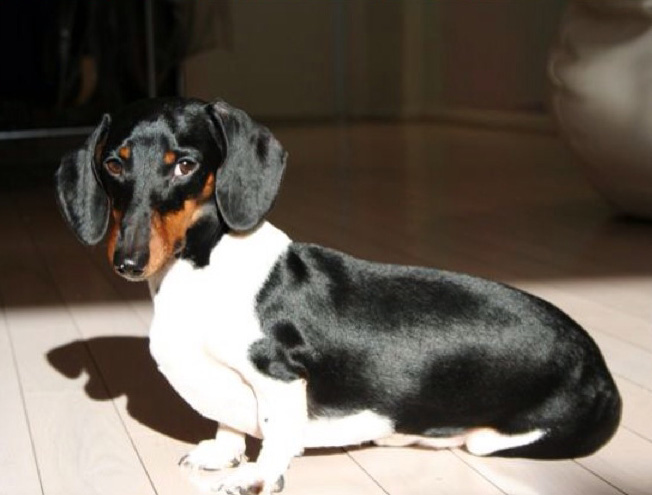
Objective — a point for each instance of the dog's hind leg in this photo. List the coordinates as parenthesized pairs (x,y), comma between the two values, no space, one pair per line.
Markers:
(401,440)
(478,441)
(486,441)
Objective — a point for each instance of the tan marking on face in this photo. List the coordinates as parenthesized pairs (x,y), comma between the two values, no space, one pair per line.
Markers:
(209,187)
(169,158)
(124,152)
(169,230)
(113,234)
(159,249)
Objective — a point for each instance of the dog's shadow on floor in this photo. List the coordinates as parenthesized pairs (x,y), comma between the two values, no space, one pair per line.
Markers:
(117,366)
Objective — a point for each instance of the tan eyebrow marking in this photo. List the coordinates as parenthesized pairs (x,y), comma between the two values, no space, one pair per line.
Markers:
(124,152)
(169,158)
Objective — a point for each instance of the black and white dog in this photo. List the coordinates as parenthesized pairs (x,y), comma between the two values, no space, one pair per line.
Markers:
(304,346)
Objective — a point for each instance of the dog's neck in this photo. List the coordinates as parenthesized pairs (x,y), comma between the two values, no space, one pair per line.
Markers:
(253,252)
(202,238)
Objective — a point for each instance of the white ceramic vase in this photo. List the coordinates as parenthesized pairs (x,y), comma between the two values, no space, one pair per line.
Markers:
(601,75)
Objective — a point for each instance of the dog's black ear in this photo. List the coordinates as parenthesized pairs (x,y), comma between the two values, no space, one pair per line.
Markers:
(247,182)
(80,195)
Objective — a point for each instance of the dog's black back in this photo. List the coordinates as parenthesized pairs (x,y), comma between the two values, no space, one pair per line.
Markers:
(438,352)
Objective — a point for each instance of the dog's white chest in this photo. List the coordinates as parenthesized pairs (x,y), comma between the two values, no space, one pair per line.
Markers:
(205,319)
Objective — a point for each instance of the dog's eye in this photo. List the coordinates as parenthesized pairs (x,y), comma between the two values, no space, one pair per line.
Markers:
(114,167)
(184,167)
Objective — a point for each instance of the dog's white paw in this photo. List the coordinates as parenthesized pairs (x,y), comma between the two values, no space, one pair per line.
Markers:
(213,455)
(247,479)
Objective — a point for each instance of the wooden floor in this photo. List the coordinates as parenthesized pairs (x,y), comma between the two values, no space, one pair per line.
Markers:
(84,411)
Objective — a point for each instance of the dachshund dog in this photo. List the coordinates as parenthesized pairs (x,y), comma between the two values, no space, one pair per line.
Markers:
(303,346)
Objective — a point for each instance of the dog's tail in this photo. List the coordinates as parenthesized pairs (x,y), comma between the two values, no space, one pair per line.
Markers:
(580,431)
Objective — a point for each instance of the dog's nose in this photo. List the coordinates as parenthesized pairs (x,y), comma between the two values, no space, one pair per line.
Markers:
(129,268)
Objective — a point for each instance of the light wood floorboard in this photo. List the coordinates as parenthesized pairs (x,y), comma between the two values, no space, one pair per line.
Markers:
(17,462)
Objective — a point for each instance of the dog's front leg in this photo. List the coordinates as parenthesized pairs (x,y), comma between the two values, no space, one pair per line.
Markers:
(226,450)
(283,415)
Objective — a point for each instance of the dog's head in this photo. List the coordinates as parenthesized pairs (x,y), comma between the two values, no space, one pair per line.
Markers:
(159,167)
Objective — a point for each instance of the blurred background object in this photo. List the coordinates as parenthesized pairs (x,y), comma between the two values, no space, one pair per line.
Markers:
(601,74)
(367,59)
(70,60)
